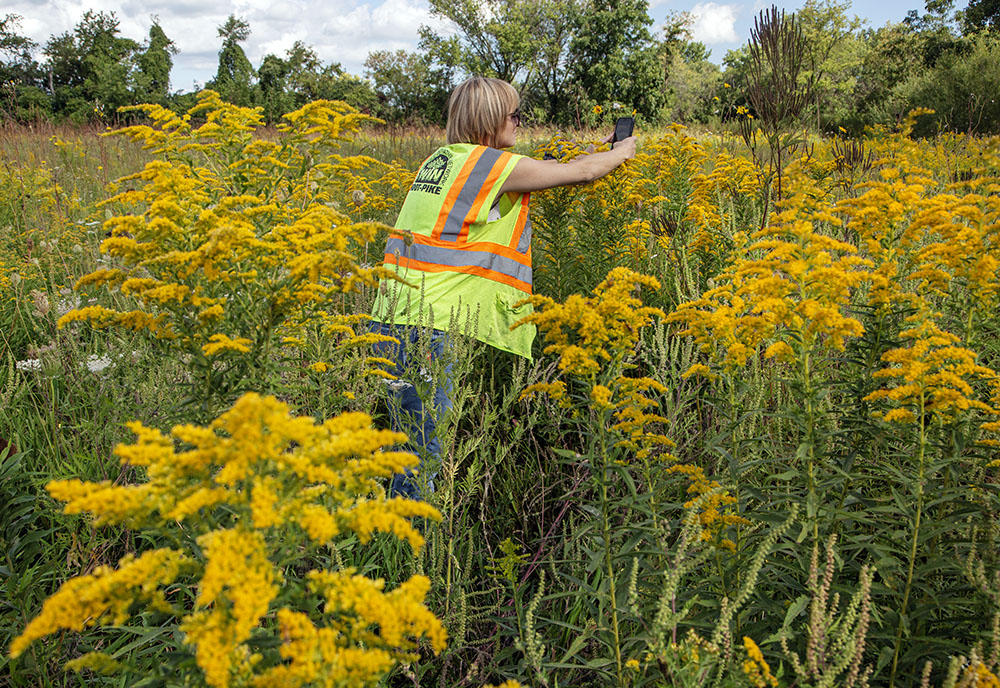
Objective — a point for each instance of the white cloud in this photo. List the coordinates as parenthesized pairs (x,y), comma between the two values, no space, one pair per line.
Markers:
(713,23)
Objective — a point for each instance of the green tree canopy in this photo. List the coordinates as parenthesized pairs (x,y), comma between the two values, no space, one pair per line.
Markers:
(92,70)
(614,57)
(981,15)
(155,64)
(17,62)
(235,75)
(835,52)
(408,86)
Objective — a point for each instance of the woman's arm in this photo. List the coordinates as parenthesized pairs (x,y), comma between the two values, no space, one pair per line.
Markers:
(534,175)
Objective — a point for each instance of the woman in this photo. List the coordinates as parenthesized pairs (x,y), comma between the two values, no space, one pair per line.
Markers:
(463,242)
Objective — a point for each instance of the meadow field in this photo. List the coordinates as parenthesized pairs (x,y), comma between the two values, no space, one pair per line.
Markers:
(757,444)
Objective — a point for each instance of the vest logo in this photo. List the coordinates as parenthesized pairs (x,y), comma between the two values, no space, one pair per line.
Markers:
(433,173)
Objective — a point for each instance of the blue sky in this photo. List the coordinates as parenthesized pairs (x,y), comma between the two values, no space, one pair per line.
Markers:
(347,30)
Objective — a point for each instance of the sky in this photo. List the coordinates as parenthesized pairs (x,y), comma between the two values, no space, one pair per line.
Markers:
(345,31)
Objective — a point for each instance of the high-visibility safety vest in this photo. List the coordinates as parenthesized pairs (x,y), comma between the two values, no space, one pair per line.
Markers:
(465,248)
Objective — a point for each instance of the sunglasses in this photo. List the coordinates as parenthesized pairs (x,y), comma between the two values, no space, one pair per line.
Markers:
(516,117)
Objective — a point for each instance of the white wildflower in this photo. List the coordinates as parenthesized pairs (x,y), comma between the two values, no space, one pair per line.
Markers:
(70,301)
(97,364)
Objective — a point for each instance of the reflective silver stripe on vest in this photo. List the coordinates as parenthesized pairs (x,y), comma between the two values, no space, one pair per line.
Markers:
(524,243)
(467,196)
(456,258)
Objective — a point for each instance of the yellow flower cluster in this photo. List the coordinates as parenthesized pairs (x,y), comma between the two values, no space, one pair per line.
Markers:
(678,192)
(977,675)
(360,607)
(789,288)
(880,217)
(86,600)
(98,662)
(931,375)
(594,337)
(588,333)
(757,670)
(310,652)
(710,502)
(236,589)
(227,237)
(690,657)
(283,486)
(631,416)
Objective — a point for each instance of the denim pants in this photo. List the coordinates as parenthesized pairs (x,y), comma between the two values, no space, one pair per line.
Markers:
(409,413)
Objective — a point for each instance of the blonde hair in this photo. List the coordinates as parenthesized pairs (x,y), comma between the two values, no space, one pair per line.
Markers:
(478,110)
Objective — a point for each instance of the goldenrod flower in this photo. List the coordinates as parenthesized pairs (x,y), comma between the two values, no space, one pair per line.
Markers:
(282,485)
(221,342)
(756,669)
(229,241)
(593,336)
(86,600)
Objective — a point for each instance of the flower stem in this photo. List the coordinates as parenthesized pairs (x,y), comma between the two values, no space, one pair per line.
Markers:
(913,540)
(606,534)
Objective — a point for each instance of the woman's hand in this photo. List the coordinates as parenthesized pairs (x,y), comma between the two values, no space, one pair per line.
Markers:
(627,146)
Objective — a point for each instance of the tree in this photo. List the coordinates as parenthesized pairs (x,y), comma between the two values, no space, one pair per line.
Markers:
(936,29)
(333,83)
(834,54)
(235,75)
(555,26)
(286,84)
(155,64)
(961,89)
(495,37)
(888,61)
(524,42)
(408,86)
(272,83)
(20,76)
(17,63)
(981,15)
(91,70)
(692,83)
(614,57)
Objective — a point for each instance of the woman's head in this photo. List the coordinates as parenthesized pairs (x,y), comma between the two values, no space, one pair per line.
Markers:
(479,111)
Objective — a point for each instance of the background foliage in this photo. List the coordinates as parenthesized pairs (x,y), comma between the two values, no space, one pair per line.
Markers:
(568,58)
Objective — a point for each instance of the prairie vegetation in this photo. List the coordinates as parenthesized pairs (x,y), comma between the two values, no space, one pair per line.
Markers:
(756,444)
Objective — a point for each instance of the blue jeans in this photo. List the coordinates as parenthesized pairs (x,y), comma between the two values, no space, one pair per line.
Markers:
(406,408)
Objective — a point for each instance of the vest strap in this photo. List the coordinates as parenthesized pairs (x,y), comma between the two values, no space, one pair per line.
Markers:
(459,210)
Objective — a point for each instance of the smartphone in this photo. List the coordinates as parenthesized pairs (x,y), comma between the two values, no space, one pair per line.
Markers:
(623,129)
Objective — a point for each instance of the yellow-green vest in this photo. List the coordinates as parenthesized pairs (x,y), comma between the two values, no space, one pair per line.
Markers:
(462,265)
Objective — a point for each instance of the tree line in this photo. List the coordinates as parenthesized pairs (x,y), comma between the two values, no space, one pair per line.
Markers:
(576,63)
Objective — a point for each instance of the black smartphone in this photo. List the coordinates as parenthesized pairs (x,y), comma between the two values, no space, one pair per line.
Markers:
(623,129)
